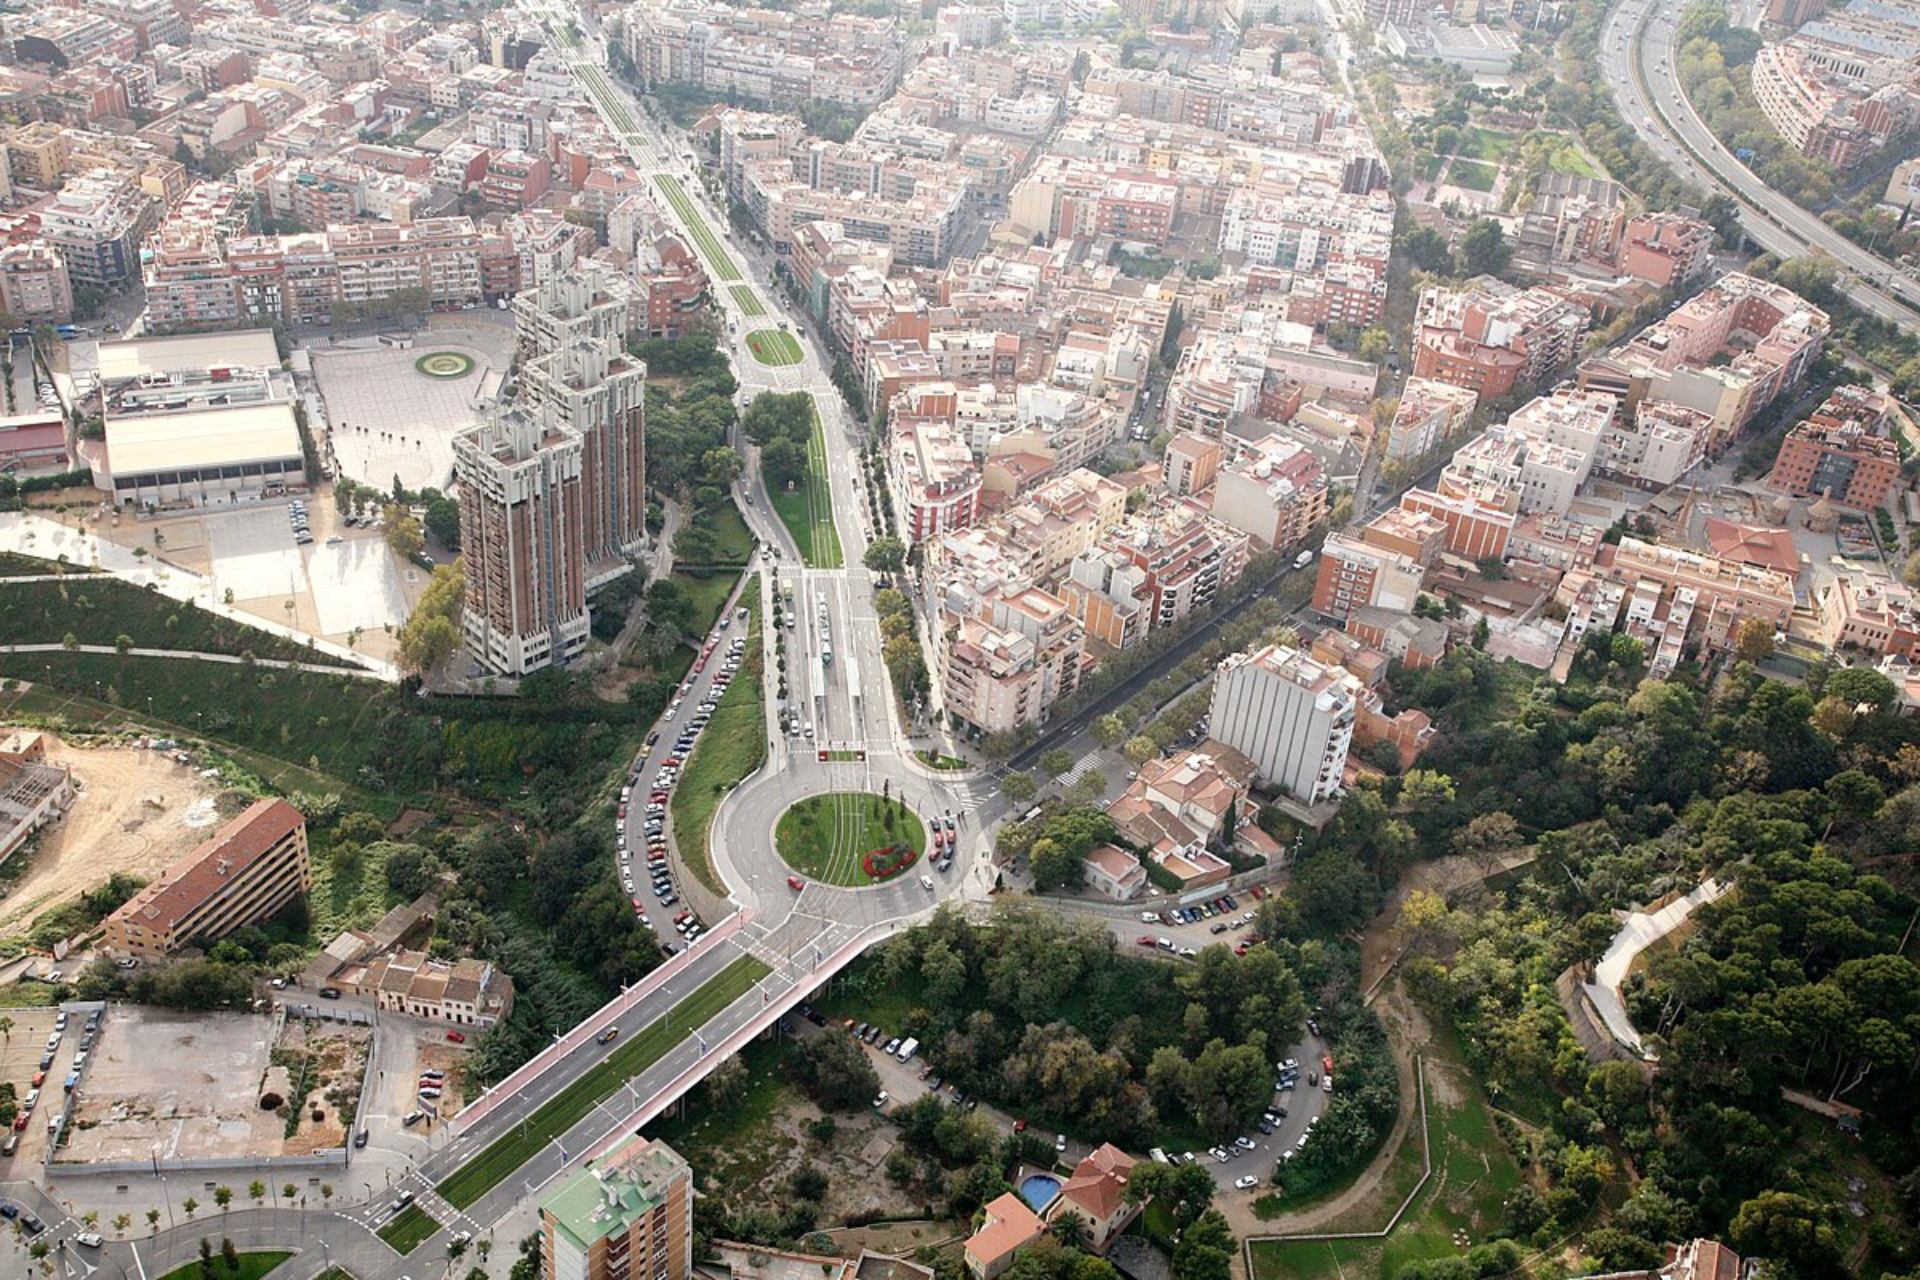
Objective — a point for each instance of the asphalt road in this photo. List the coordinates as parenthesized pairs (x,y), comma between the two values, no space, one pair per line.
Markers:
(1636,57)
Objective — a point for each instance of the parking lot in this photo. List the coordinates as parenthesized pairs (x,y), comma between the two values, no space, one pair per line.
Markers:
(640,836)
(21,1052)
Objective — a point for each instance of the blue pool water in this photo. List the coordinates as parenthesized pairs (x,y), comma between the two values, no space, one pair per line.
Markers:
(1039,1189)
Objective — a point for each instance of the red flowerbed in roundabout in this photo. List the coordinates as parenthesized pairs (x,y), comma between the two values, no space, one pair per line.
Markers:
(884,864)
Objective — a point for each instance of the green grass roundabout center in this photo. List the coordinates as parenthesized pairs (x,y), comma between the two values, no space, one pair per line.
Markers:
(444,364)
(850,838)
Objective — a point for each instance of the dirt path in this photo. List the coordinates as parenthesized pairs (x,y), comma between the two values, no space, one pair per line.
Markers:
(138,811)
(1407,1030)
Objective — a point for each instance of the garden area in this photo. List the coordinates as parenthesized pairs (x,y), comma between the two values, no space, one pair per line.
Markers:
(839,838)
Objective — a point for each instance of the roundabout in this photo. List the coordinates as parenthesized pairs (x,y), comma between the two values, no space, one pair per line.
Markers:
(444,364)
(850,838)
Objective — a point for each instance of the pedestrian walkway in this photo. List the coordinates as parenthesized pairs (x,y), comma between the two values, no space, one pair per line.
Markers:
(1638,932)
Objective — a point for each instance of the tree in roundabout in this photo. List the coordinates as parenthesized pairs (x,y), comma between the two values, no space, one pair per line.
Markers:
(444,364)
(850,838)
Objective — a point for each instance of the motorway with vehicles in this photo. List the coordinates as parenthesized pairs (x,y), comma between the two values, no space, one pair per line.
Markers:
(1637,59)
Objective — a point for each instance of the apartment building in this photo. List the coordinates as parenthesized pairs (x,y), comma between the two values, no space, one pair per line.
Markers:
(1824,112)
(1871,613)
(1478,519)
(1667,250)
(523,515)
(1491,337)
(1842,451)
(1292,716)
(246,872)
(1006,666)
(935,482)
(1429,413)
(626,1215)
(764,55)
(1677,598)
(34,286)
(598,392)
(95,223)
(1275,491)
(1354,574)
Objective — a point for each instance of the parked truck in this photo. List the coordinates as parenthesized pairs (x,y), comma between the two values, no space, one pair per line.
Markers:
(908,1048)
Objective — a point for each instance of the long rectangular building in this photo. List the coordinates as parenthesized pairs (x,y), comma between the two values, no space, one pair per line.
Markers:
(245,873)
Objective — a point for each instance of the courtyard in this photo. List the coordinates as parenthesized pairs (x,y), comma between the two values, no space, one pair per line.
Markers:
(392,411)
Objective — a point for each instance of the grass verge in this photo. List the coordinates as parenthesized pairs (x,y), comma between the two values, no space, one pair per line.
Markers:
(747,300)
(631,1055)
(733,746)
(406,1229)
(710,247)
(827,836)
(252,1267)
(15,565)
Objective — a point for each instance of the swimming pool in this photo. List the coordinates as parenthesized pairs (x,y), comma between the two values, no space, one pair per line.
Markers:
(1038,1190)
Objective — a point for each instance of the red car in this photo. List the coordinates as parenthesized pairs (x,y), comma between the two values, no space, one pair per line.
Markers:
(1326,1065)
(1146,940)
(795,883)
(458,1037)
(1020,1126)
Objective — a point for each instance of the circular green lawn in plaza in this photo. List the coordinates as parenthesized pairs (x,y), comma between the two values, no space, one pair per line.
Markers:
(830,837)
(444,364)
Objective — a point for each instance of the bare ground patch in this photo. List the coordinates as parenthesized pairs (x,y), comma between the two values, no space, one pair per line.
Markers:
(138,812)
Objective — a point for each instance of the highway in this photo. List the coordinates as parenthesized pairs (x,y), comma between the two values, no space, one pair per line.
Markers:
(1637,59)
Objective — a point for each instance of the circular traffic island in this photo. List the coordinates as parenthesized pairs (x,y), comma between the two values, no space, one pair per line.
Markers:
(445,365)
(850,838)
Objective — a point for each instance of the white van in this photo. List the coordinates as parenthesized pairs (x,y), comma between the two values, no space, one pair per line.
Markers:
(908,1048)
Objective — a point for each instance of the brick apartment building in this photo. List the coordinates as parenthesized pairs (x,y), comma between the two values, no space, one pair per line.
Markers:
(1842,451)
(244,873)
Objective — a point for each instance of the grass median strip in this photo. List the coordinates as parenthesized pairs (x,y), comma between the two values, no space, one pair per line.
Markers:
(826,538)
(747,300)
(635,1051)
(716,254)
(773,347)
(732,747)
(407,1228)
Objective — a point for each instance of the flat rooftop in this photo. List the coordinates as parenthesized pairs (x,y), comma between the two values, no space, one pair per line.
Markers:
(137,357)
(202,438)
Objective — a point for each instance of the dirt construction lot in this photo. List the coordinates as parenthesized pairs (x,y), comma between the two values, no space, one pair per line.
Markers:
(185,1085)
(138,811)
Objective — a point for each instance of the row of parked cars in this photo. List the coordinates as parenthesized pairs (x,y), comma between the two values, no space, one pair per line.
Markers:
(1224,905)
(653,818)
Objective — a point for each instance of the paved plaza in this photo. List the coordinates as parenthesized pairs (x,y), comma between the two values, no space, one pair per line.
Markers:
(385,418)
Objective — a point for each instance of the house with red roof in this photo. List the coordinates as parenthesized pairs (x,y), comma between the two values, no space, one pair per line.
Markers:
(1097,1192)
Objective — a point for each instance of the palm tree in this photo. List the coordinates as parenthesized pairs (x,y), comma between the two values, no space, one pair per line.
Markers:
(6,1029)
(1070,1229)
